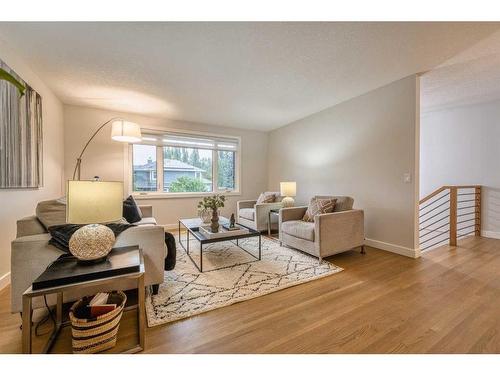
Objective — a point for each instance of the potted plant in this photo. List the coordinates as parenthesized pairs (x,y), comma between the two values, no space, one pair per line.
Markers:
(213,203)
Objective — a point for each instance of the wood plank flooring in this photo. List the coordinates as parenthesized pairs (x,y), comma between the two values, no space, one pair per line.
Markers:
(448,301)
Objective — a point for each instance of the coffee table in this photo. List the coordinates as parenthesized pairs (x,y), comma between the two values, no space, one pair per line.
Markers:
(193,229)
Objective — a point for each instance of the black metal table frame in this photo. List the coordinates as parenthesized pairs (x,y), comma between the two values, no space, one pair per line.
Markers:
(194,230)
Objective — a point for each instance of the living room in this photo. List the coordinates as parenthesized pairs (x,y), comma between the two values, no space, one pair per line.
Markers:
(242,187)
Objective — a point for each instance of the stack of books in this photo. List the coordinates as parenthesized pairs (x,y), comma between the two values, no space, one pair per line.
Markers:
(99,306)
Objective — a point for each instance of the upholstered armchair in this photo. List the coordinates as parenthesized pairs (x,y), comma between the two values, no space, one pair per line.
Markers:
(329,234)
(256,216)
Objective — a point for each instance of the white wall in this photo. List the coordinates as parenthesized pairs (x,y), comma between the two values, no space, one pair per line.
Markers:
(361,148)
(460,146)
(106,158)
(18,203)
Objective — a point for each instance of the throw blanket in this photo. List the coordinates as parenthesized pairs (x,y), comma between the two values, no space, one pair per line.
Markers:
(62,233)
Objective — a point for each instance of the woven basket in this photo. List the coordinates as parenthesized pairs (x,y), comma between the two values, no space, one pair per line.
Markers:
(96,334)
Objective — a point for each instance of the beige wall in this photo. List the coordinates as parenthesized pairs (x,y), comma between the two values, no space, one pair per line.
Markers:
(361,148)
(459,146)
(107,158)
(21,202)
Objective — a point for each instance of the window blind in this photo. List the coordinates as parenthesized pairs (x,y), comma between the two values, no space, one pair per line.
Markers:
(174,139)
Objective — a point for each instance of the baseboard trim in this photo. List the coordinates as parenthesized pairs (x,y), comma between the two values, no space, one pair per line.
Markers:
(4,280)
(171,226)
(401,250)
(490,234)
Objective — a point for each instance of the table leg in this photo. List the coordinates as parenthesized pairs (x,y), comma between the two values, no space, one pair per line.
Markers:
(269,223)
(59,308)
(201,257)
(180,232)
(141,311)
(260,247)
(27,312)
(187,236)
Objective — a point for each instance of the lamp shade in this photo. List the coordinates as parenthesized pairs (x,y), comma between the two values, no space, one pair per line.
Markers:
(288,189)
(125,131)
(93,202)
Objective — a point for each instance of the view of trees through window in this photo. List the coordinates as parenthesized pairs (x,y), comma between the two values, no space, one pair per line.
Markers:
(184,169)
(225,170)
(187,170)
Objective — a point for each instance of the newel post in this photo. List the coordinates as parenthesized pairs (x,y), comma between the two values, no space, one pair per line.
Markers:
(453,215)
(477,211)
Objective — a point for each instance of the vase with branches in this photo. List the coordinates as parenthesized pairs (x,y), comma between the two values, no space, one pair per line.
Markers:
(213,203)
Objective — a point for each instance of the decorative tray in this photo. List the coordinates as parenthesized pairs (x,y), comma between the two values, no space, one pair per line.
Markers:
(206,231)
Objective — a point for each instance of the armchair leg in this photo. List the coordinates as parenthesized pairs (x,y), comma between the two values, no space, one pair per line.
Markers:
(320,259)
(363,249)
(155,288)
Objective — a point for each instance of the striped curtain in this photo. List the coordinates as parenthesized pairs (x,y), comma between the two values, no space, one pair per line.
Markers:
(21,149)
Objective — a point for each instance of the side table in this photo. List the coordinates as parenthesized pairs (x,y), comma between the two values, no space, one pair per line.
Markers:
(122,263)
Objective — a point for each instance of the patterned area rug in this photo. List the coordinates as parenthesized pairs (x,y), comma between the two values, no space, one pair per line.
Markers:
(187,292)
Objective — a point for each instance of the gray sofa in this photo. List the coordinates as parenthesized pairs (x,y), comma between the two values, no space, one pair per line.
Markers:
(256,216)
(329,234)
(31,254)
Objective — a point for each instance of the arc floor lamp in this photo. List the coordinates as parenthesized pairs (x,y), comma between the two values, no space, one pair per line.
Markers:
(92,202)
(121,131)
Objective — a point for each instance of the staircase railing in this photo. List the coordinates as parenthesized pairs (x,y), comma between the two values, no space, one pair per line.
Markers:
(448,214)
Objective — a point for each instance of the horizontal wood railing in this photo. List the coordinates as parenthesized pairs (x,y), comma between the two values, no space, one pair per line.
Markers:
(448,214)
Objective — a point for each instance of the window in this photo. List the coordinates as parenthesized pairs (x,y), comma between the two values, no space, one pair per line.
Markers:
(144,168)
(225,170)
(187,164)
(187,170)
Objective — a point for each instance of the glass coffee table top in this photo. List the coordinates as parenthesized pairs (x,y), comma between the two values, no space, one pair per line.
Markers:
(192,226)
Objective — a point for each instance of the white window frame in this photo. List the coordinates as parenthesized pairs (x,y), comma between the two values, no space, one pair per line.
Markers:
(160,194)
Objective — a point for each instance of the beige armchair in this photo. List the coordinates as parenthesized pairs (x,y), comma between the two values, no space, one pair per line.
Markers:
(330,234)
(256,216)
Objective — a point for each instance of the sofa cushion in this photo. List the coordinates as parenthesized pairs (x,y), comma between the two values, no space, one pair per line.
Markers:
(247,213)
(51,212)
(146,221)
(343,202)
(29,226)
(319,206)
(299,228)
(266,197)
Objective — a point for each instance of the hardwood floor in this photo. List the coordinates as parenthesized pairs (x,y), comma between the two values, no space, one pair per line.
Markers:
(448,301)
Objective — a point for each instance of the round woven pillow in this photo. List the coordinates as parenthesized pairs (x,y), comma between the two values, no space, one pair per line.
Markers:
(91,242)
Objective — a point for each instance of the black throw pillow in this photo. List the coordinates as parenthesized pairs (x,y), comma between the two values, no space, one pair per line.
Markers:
(131,212)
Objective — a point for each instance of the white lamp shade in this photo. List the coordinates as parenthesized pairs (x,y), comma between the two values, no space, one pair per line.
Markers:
(125,131)
(288,189)
(93,202)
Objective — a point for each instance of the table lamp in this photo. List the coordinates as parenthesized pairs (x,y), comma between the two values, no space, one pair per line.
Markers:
(93,203)
(288,190)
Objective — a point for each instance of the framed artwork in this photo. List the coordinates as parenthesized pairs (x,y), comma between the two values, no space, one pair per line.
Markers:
(21,140)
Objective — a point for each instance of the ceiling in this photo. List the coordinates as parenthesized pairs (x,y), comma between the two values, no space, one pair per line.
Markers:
(248,75)
(470,77)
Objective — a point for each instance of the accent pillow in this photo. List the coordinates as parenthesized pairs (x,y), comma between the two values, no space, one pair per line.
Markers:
(319,206)
(131,211)
(266,198)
